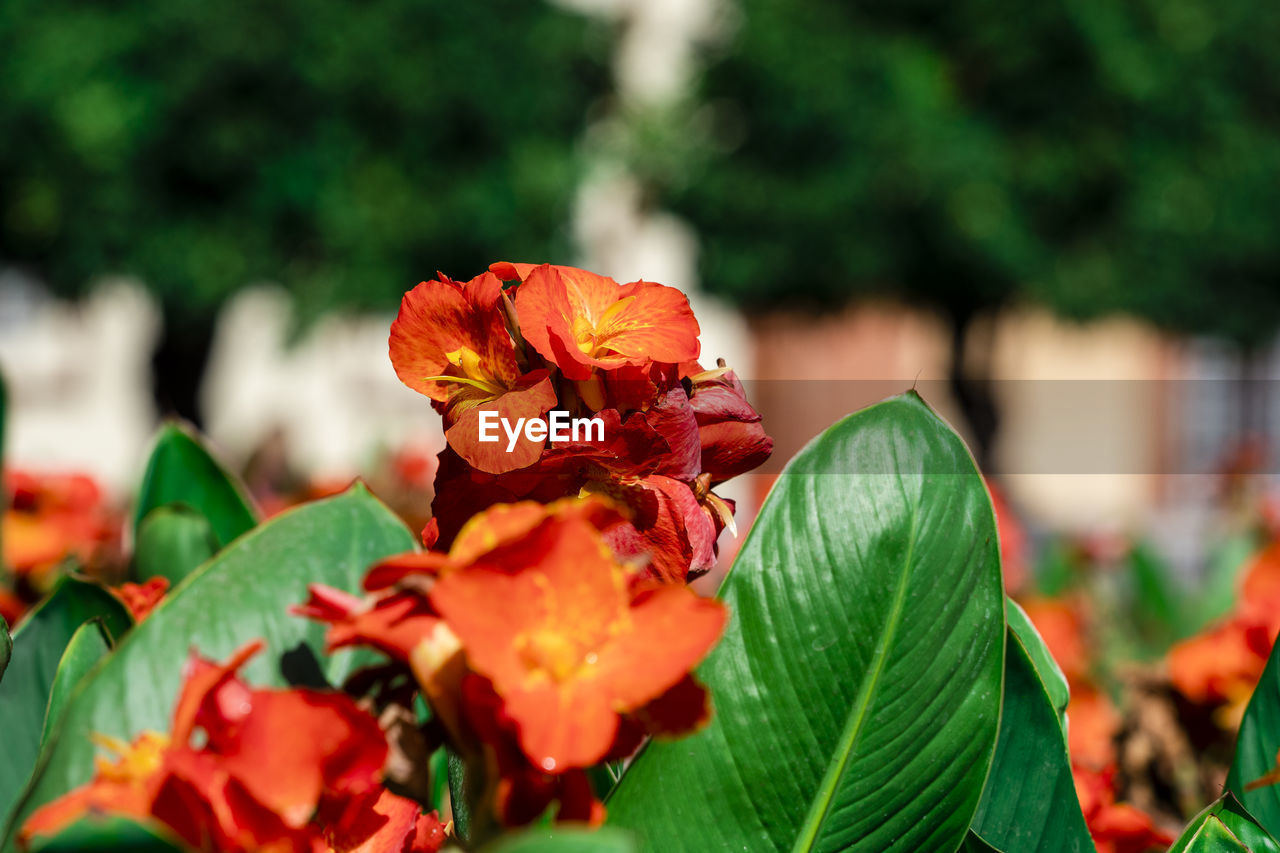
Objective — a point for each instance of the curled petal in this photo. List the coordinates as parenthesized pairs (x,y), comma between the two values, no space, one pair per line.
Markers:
(393,624)
(732,437)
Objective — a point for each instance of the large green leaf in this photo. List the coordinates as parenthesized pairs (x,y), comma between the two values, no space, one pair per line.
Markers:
(240,595)
(561,840)
(171,542)
(857,687)
(1227,827)
(1055,682)
(181,471)
(1029,804)
(89,644)
(1256,748)
(38,646)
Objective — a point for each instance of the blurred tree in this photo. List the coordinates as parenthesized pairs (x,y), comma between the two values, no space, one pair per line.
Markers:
(1184,116)
(1097,156)
(345,150)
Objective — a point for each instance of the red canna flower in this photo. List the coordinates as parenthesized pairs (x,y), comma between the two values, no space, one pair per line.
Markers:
(273,769)
(451,343)
(1115,827)
(568,641)
(571,339)
(142,598)
(51,517)
(539,651)
(1222,665)
(578,320)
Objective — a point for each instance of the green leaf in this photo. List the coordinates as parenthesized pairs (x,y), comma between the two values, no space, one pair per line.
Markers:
(1257,745)
(38,646)
(108,834)
(172,541)
(242,594)
(1055,683)
(1029,802)
(439,768)
(6,647)
(459,804)
(857,687)
(89,644)
(181,471)
(564,841)
(1212,836)
(1216,595)
(1057,569)
(1156,606)
(1225,826)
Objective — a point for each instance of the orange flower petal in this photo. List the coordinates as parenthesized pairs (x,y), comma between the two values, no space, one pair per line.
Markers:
(579,320)
(564,725)
(514,526)
(439,318)
(672,629)
(533,397)
(200,678)
(566,646)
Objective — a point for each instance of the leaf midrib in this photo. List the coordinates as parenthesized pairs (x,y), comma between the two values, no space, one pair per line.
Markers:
(866,693)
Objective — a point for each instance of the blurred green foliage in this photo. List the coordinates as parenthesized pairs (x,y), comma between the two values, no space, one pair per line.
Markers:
(1093,155)
(346,150)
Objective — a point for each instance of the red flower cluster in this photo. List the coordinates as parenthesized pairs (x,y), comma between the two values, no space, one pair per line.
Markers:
(552,629)
(1222,665)
(252,770)
(566,339)
(1115,827)
(540,652)
(49,518)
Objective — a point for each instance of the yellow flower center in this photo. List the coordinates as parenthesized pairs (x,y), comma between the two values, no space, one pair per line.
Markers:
(471,372)
(136,762)
(552,654)
(593,334)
